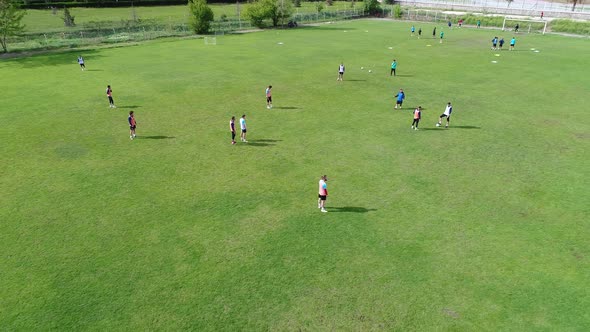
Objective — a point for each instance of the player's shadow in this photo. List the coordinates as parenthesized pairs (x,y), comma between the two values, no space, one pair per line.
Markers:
(353,209)
(263,142)
(402,75)
(286,108)
(93,70)
(323,27)
(129,106)
(356,80)
(450,127)
(155,137)
(465,127)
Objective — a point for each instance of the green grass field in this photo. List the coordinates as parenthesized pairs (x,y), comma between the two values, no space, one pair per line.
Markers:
(483,226)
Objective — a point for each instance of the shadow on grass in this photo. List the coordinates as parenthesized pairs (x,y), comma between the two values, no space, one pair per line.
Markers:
(401,75)
(356,80)
(450,127)
(261,142)
(286,108)
(129,106)
(155,137)
(353,209)
(323,27)
(465,127)
(93,70)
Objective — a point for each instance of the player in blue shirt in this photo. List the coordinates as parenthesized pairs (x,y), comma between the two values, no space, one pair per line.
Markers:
(400,98)
(495,43)
(512,43)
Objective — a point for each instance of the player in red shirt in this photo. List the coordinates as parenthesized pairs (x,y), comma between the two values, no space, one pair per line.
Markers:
(232,129)
(417,116)
(110,96)
(132,125)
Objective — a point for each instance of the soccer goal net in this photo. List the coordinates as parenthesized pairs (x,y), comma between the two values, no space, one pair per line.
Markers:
(210,40)
(524,25)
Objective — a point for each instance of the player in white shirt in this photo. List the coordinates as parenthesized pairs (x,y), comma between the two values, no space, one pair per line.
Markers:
(243,128)
(340,72)
(446,114)
(81,62)
(268,92)
(323,193)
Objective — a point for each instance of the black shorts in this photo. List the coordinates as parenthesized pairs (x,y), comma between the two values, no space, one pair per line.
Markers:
(322,197)
(269,99)
(132,127)
(399,102)
(494,45)
(445,116)
(341,72)
(243,130)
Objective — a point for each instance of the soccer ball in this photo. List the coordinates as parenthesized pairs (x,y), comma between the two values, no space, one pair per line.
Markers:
(362,68)
(370,71)
(438,124)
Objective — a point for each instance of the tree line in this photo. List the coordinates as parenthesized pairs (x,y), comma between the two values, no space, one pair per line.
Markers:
(44,4)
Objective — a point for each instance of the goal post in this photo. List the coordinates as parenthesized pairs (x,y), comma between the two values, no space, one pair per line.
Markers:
(210,40)
(528,26)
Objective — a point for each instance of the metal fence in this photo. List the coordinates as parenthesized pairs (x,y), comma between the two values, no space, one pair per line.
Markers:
(503,7)
(139,30)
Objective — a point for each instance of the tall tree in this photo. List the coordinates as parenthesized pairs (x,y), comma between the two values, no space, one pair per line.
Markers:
(10,21)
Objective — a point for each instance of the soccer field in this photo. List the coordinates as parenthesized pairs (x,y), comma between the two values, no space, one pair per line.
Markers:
(482,226)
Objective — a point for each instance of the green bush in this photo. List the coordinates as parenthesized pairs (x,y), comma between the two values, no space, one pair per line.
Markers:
(297,3)
(397,11)
(319,7)
(275,10)
(569,26)
(68,18)
(200,16)
(372,7)
(256,14)
(489,21)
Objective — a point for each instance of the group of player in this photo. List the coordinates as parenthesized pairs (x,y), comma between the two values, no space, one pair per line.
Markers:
(442,33)
(497,44)
(417,114)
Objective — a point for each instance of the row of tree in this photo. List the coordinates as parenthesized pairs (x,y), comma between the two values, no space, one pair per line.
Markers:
(200,18)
